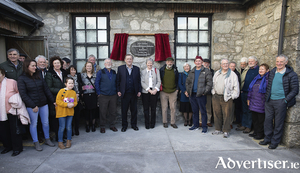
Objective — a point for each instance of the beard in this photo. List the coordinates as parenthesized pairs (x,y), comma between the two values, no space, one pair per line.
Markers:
(109,66)
(169,66)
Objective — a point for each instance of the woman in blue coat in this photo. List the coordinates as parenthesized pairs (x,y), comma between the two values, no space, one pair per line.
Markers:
(185,105)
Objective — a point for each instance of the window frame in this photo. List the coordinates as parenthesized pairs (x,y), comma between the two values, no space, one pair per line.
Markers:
(87,44)
(176,43)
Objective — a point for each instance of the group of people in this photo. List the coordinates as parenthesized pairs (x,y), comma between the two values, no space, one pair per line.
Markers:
(57,96)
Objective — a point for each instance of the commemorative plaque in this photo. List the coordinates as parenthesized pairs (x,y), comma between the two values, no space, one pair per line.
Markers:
(142,48)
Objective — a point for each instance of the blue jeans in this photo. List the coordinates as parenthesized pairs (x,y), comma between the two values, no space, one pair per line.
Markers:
(247,115)
(199,103)
(65,122)
(44,114)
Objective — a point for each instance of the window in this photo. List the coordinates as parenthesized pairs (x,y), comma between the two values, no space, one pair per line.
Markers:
(90,36)
(192,38)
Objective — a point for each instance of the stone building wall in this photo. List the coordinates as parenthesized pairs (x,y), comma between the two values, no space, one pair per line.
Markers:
(291,48)
(262,25)
(227,36)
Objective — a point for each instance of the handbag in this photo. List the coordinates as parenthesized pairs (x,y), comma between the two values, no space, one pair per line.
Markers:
(98,105)
(20,129)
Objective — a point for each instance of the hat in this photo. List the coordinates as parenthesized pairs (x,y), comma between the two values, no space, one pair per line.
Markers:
(22,54)
(169,59)
(206,60)
(67,60)
(199,57)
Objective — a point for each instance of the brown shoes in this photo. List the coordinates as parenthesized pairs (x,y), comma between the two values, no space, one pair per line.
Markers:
(61,145)
(113,129)
(247,130)
(240,128)
(165,125)
(231,126)
(68,145)
(102,130)
(200,124)
(209,124)
(174,126)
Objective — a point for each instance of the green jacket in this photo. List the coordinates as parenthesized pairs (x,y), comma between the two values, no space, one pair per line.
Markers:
(10,70)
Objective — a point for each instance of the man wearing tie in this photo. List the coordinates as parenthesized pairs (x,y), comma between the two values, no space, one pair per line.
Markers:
(129,89)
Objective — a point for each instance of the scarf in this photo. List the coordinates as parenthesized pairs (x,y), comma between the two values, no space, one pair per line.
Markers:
(3,115)
(186,73)
(263,83)
(227,74)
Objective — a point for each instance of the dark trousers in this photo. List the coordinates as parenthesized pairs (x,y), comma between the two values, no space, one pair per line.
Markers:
(76,117)
(129,100)
(8,134)
(258,120)
(53,121)
(238,111)
(149,100)
(90,116)
(247,116)
(199,103)
(108,110)
(274,109)
(222,113)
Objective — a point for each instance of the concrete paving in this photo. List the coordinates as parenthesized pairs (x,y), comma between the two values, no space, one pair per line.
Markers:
(158,150)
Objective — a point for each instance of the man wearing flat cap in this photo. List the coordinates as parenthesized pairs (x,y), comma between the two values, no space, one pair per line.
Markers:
(169,79)
(198,84)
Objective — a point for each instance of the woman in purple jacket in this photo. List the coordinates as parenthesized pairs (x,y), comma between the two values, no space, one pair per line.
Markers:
(256,101)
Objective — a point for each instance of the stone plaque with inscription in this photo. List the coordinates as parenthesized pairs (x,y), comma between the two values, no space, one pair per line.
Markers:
(142,48)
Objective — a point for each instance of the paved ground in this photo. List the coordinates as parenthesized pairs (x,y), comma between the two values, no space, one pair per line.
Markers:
(156,150)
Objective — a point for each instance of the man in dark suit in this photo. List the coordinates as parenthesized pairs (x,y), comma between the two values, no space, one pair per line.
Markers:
(129,89)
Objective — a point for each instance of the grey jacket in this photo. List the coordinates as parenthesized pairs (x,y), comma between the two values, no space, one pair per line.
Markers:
(204,85)
(155,79)
(87,87)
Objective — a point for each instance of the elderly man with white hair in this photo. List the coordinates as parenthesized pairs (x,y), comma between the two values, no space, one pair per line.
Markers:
(41,64)
(225,90)
(247,76)
(282,88)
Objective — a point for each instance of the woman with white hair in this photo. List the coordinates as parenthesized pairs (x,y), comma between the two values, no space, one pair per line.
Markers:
(150,80)
(185,105)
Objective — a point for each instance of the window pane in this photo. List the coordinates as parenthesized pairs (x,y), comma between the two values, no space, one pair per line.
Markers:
(102,37)
(193,36)
(92,51)
(193,23)
(80,22)
(101,22)
(80,36)
(103,52)
(203,23)
(204,52)
(181,22)
(203,36)
(101,63)
(80,52)
(181,52)
(91,36)
(80,65)
(192,52)
(91,23)
(182,36)
(180,63)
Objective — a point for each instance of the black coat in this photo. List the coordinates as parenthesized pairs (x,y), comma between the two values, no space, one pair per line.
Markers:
(53,81)
(290,85)
(121,79)
(34,92)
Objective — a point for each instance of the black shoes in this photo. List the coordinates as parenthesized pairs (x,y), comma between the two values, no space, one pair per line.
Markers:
(123,129)
(135,128)
(102,130)
(264,142)
(93,128)
(165,125)
(147,127)
(174,126)
(252,135)
(87,128)
(5,151)
(259,137)
(272,146)
(15,153)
